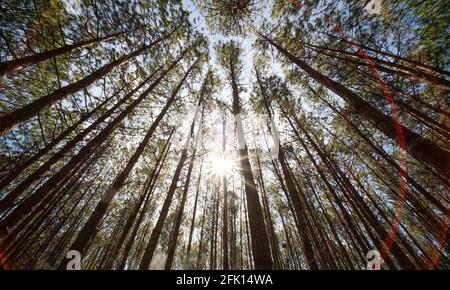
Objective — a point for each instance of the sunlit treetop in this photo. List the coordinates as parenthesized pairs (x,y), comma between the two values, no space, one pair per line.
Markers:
(228,54)
(229,17)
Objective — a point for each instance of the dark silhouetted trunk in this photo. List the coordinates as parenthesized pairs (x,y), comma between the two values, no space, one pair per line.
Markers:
(418,146)
(293,192)
(10,120)
(260,242)
(188,260)
(77,160)
(153,242)
(90,228)
(61,152)
(179,216)
(11,66)
(143,199)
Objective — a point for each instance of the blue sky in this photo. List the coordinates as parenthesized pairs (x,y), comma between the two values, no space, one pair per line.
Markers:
(198,20)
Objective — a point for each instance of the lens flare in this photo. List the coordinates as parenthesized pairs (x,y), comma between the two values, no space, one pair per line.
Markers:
(219,164)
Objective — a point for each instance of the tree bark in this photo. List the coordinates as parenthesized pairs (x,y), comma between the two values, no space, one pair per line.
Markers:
(260,242)
(9,121)
(419,147)
(11,66)
(153,242)
(90,228)
(179,216)
(78,159)
(21,167)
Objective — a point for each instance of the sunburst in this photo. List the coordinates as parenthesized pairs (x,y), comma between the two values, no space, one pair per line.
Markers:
(219,164)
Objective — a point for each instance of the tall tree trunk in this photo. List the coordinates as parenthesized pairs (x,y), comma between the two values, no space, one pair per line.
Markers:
(147,190)
(397,57)
(178,218)
(191,231)
(78,159)
(233,232)
(7,201)
(260,242)
(213,228)
(419,147)
(293,192)
(153,242)
(269,221)
(200,241)
(11,66)
(90,228)
(385,156)
(188,260)
(143,212)
(216,227)
(225,261)
(55,195)
(9,121)
(7,179)
(49,218)
(382,65)
(360,206)
(288,245)
(56,252)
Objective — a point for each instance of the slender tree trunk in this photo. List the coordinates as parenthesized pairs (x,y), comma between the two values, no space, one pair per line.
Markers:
(225,260)
(215,234)
(424,214)
(44,168)
(293,192)
(385,156)
(59,223)
(385,53)
(153,242)
(359,205)
(191,231)
(269,221)
(11,66)
(200,241)
(188,260)
(90,228)
(142,200)
(73,225)
(213,229)
(233,233)
(385,66)
(77,160)
(260,242)
(179,216)
(349,225)
(31,221)
(131,239)
(418,146)
(9,121)
(250,265)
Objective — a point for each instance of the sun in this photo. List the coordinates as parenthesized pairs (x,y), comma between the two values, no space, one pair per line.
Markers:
(219,164)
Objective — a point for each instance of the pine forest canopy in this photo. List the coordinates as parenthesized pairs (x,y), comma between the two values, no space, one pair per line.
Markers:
(224,134)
